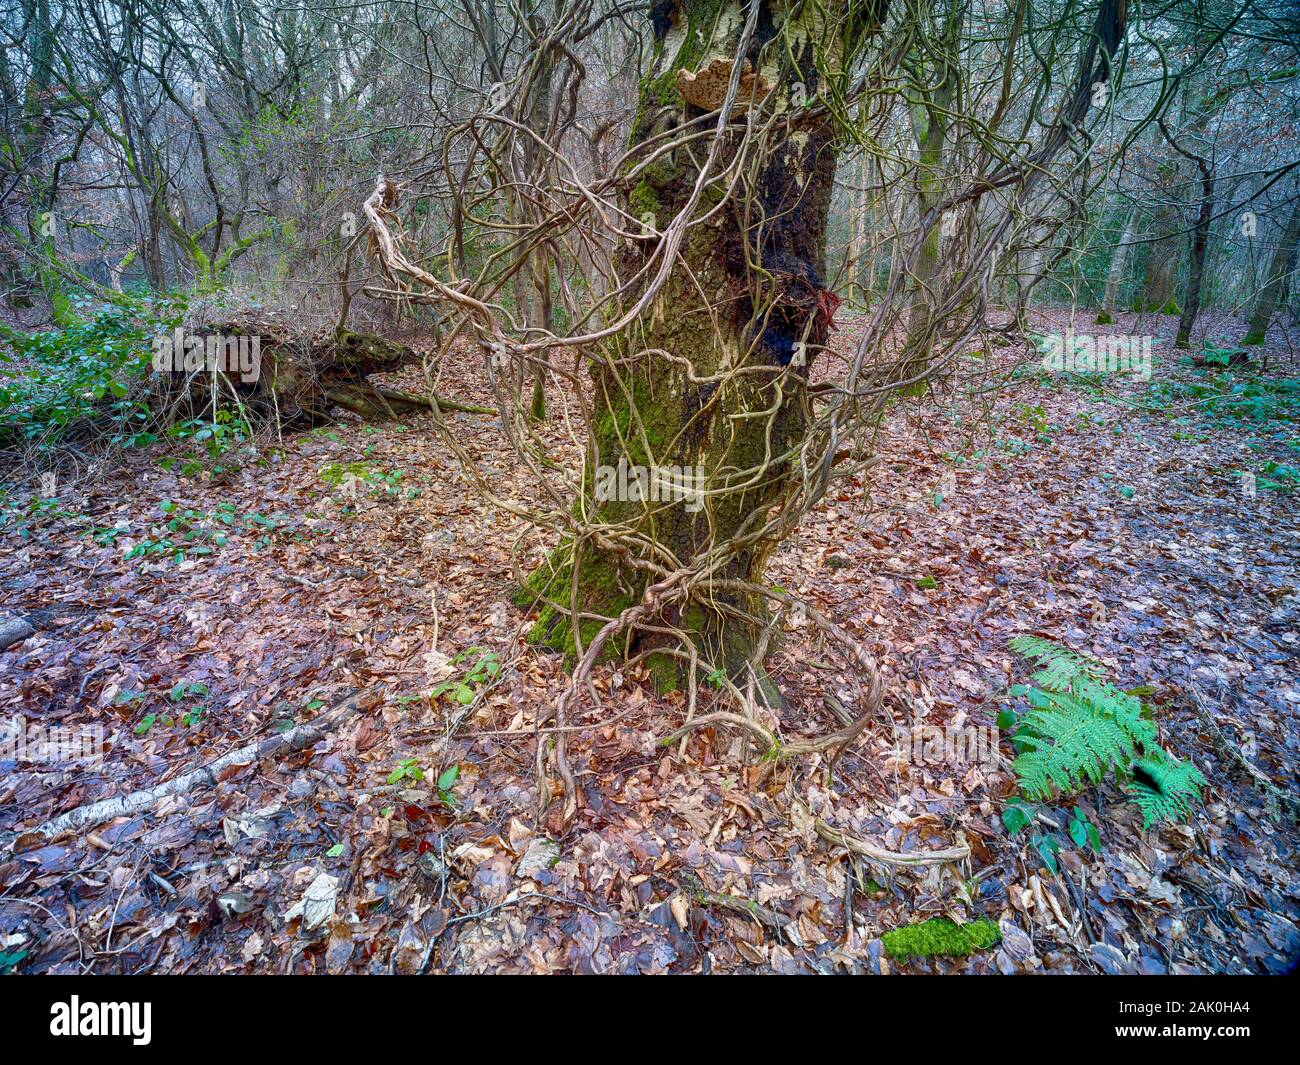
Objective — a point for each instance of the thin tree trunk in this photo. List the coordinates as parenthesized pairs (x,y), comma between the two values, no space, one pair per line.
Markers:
(1279,271)
(859,223)
(1162,263)
(1118,263)
(1196,262)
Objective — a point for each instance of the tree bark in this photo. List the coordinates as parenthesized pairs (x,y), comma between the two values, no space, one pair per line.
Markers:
(1162,262)
(1283,262)
(1118,263)
(764,310)
(1196,260)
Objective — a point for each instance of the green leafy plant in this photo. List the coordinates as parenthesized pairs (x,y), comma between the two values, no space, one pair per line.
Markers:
(185,533)
(1164,789)
(407,769)
(1213,355)
(218,441)
(81,373)
(189,533)
(23,517)
(187,716)
(446,781)
(462,688)
(1079,728)
(1224,399)
(1034,418)
(192,715)
(1277,477)
(380,483)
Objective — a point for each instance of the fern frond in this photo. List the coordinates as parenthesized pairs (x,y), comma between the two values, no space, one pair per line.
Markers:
(1165,789)
(1069,741)
(1061,666)
(1079,727)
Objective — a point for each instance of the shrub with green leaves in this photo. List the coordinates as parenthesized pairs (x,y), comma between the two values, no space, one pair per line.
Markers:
(1225,399)
(90,372)
(486,665)
(209,445)
(1079,728)
(1278,477)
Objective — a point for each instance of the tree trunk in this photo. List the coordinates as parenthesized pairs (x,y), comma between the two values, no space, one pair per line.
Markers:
(1196,261)
(1115,277)
(655,424)
(1162,262)
(1279,270)
(859,227)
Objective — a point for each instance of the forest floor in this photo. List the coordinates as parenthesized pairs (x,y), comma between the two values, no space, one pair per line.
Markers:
(1108,515)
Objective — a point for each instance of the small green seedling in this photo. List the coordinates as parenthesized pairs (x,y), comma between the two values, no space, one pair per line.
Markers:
(462,689)
(446,781)
(407,769)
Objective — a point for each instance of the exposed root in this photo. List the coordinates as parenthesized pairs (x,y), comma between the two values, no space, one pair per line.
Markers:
(873,853)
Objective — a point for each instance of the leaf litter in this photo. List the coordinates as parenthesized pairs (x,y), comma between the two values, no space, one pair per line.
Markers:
(1066,511)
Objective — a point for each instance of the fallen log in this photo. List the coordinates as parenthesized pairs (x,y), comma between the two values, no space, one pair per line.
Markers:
(293,739)
(280,374)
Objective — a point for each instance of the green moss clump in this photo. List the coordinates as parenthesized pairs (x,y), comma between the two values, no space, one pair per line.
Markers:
(1253,338)
(1104,318)
(551,583)
(1171,307)
(714,193)
(664,672)
(643,202)
(940,937)
(538,410)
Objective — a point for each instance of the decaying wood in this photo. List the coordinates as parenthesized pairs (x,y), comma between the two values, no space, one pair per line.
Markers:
(301,376)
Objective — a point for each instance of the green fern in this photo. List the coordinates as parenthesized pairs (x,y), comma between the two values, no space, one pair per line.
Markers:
(1079,727)
(1061,666)
(1165,789)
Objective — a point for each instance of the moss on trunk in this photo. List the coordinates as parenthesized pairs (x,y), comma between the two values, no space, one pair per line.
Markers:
(764,309)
